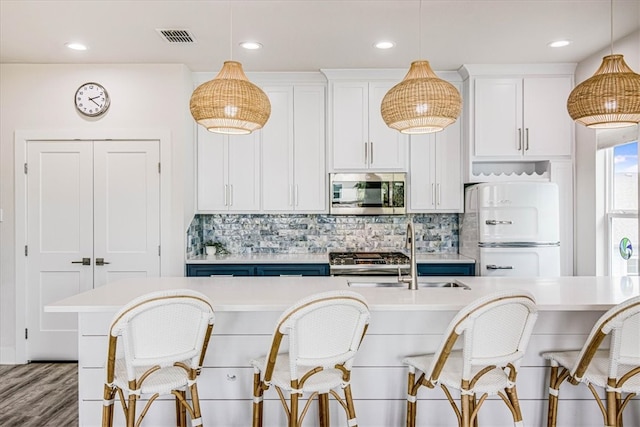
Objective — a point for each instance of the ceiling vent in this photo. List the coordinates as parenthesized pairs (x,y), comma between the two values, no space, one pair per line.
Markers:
(177,36)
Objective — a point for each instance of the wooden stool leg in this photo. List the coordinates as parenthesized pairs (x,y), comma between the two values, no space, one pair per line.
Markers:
(131,408)
(181,412)
(553,397)
(351,409)
(512,394)
(195,399)
(465,404)
(107,409)
(257,400)
(323,410)
(293,414)
(612,405)
(411,399)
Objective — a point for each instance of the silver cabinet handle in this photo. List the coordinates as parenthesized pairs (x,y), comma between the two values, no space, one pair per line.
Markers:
(85,261)
(295,196)
(290,195)
(230,194)
(519,139)
(366,157)
(526,134)
(433,194)
(499,267)
(226,194)
(438,193)
(495,222)
(231,377)
(371,154)
(101,261)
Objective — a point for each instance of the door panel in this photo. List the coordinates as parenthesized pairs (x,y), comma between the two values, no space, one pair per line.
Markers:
(127,209)
(59,235)
(86,200)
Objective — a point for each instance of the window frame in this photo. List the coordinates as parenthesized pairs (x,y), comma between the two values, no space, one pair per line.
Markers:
(612,214)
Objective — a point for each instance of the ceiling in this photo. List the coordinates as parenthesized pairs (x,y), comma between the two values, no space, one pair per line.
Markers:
(308,35)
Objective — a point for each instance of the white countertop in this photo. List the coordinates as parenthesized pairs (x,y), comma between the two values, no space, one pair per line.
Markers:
(322,258)
(264,293)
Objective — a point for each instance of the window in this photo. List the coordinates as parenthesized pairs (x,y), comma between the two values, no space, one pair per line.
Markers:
(622,209)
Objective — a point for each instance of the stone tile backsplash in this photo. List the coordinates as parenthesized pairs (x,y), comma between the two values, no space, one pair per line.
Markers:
(309,233)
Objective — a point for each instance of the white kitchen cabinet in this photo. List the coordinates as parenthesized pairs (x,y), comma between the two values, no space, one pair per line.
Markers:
(293,150)
(360,139)
(436,171)
(228,172)
(516,117)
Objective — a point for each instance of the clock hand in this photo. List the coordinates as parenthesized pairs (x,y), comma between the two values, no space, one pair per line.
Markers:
(92,100)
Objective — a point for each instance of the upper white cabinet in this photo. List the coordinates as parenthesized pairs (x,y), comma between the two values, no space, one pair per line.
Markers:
(293,150)
(228,172)
(359,138)
(435,171)
(522,116)
(516,120)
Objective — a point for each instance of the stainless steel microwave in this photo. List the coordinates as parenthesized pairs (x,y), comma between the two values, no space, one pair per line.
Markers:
(367,194)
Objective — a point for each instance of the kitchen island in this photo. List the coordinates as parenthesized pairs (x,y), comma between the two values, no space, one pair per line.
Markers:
(403,322)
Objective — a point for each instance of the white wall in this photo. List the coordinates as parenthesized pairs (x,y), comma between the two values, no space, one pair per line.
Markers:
(591,246)
(39,97)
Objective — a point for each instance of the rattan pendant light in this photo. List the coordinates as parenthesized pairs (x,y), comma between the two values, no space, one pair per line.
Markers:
(610,98)
(421,102)
(230,103)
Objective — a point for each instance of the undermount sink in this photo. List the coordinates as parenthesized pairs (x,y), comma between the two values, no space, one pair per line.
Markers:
(423,284)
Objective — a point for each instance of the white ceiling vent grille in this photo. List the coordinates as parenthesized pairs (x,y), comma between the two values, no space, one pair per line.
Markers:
(177,36)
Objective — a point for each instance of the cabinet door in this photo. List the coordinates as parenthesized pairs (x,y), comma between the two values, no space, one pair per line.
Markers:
(436,171)
(277,152)
(387,147)
(546,120)
(243,170)
(498,130)
(423,174)
(349,135)
(448,166)
(211,182)
(310,179)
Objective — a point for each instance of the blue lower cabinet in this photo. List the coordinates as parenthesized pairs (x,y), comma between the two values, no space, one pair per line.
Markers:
(446,269)
(199,270)
(195,270)
(292,270)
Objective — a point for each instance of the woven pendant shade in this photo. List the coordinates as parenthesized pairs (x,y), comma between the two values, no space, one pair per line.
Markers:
(230,103)
(421,102)
(608,99)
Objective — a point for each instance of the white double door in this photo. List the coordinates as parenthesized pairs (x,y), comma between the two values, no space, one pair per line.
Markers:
(93,216)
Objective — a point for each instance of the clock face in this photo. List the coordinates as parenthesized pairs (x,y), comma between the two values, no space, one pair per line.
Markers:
(92,99)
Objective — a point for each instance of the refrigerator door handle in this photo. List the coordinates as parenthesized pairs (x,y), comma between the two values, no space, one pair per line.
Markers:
(496,222)
(499,267)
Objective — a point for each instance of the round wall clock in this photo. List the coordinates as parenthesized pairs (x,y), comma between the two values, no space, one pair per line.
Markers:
(92,99)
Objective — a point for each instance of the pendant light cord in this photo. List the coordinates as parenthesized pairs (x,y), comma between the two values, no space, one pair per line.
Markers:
(420,30)
(230,32)
(611,26)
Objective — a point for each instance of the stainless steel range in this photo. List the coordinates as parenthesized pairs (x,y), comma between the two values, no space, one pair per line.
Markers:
(367,263)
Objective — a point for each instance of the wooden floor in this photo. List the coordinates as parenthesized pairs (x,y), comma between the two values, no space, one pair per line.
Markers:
(39,394)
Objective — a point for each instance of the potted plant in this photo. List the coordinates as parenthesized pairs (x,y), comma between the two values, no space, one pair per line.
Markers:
(215,248)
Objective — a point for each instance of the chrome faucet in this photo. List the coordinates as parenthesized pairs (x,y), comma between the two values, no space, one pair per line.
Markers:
(412,278)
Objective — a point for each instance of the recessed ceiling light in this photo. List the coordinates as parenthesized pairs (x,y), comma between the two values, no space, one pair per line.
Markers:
(76,46)
(251,45)
(384,44)
(560,43)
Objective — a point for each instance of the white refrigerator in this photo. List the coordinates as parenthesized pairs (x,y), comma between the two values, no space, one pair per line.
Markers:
(512,228)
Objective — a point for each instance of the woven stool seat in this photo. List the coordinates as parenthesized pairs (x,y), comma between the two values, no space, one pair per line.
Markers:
(324,332)
(164,337)
(615,369)
(494,331)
